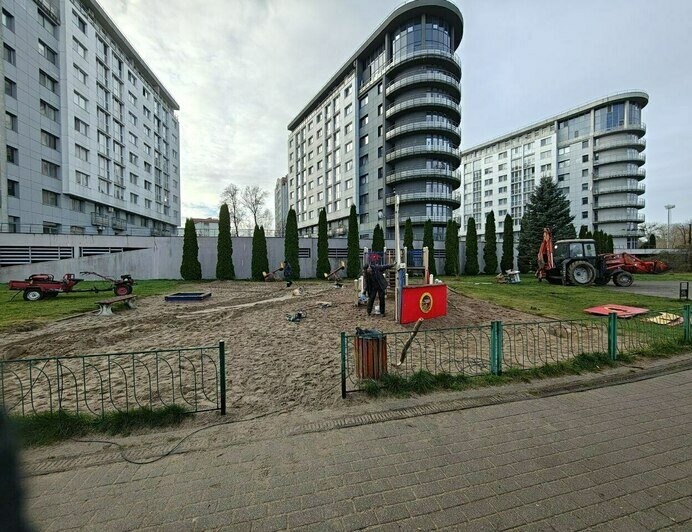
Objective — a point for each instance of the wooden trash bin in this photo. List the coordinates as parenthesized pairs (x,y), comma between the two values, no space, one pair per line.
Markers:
(371,355)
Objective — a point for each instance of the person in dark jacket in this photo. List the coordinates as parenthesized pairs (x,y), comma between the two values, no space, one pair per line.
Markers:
(375,284)
(288,273)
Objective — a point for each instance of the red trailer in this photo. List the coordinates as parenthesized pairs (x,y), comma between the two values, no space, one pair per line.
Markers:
(42,285)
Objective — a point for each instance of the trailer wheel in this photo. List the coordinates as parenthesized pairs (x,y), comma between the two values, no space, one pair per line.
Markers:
(33,294)
(122,290)
(623,279)
(581,273)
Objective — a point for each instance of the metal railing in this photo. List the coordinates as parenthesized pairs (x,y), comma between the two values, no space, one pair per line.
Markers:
(406,175)
(450,197)
(497,346)
(439,101)
(637,203)
(422,78)
(636,156)
(413,151)
(639,127)
(639,188)
(423,126)
(421,220)
(191,377)
(606,145)
(639,173)
(628,217)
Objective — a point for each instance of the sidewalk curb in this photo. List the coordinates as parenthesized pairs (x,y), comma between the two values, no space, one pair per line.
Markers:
(144,452)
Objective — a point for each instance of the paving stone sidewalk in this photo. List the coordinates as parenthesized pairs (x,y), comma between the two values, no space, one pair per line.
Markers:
(616,458)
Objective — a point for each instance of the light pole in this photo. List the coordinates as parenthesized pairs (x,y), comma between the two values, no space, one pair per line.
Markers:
(668,208)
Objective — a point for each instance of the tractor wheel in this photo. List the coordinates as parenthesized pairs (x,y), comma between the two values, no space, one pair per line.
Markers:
(623,279)
(581,273)
(33,294)
(122,290)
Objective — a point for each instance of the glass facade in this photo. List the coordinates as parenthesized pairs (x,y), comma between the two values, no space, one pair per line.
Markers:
(635,113)
(610,117)
(437,34)
(407,38)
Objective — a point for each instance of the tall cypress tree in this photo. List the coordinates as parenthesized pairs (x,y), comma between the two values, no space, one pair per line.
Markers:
(507,261)
(378,239)
(471,266)
(323,265)
(224,246)
(547,207)
(455,247)
(524,250)
(610,248)
(291,242)
(583,230)
(490,248)
(353,253)
(263,253)
(429,242)
(190,267)
(408,235)
(257,262)
(449,248)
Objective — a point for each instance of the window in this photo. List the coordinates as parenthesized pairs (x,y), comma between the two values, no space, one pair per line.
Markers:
(9,55)
(563,151)
(50,198)
(47,52)
(80,100)
(12,155)
(379,88)
(364,101)
(562,177)
(50,169)
(80,74)
(131,98)
(348,109)
(49,140)
(349,165)
(147,203)
(131,78)
(132,138)
(10,88)
(10,121)
(563,164)
(585,186)
(380,173)
(364,161)
(48,111)
(585,144)
(81,178)
(585,201)
(545,142)
(79,48)
(502,190)
(81,152)
(585,158)
(145,93)
(379,110)
(147,185)
(348,184)
(79,22)
(364,140)
(379,131)
(545,154)
(379,151)
(364,121)
(585,172)
(133,119)
(364,179)
(47,23)
(584,214)
(133,178)
(48,82)
(134,198)
(81,126)
(13,188)
(8,20)
(134,159)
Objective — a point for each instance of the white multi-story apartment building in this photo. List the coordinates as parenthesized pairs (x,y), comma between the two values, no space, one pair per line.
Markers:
(90,133)
(593,152)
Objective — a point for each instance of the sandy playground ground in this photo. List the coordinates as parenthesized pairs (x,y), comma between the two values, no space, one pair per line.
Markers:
(272,364)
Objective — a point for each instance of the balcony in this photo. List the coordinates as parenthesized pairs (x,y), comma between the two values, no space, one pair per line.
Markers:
(424,173)
(425,102)
(429,79)
(629,127)
(419,220)
(625,217)
(636,203)
(427,56)
(638,158)
(100,219)
(118,224)
(451,198)
(637,188)
(638,144)
(449,152)
(639,174)
(415,127)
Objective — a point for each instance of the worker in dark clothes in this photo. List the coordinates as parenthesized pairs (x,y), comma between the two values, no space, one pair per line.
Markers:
(288,273)
(375,284)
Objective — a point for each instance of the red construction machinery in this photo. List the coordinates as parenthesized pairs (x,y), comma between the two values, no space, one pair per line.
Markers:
(42,285)
(632,264)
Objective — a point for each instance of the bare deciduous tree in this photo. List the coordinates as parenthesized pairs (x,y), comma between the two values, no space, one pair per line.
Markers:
(231,195)
(253,198)
(266,219)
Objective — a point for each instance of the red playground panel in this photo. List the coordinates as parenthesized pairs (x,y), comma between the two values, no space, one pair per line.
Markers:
(622,311)
(427,301)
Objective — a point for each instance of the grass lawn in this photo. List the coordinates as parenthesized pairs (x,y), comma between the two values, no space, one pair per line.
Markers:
(17,312)
(553,301)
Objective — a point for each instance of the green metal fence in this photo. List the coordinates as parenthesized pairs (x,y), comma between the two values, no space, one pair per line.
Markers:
(499,346)
(192,377)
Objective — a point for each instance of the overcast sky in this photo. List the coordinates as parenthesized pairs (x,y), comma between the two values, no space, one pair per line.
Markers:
(242,69)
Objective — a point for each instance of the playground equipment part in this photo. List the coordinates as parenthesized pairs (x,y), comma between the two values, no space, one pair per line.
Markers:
(622,311)
(508,277)
(42,285)
(188,296)
(271,276)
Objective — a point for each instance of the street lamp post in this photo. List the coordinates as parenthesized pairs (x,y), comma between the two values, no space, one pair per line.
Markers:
(668,208)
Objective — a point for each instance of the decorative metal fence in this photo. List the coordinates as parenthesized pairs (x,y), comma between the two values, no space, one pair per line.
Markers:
(192,377)
(498,346)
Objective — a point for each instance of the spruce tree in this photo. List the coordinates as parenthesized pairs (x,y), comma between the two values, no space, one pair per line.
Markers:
(190,267)
(353,252)
(291,242)
(378,239)
(256,264)
(224,246)
(507,261)
(429,242)
(323,265)
(471,266)
(490,248)
(583,230)
(547,207)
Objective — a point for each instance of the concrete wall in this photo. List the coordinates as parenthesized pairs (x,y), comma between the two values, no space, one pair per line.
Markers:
(157,257)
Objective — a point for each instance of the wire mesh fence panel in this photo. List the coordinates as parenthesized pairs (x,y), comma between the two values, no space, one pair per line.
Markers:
(647,331)
(114,382)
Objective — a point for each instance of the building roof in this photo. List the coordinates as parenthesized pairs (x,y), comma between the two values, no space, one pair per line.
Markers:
(639,95)
(205,220)
(115,34)
(396,17)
